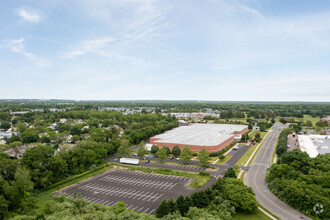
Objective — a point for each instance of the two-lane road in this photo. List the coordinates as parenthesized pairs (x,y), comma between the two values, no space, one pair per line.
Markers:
(256,175)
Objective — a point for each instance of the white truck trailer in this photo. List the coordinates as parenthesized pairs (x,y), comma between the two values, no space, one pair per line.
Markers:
(129,160)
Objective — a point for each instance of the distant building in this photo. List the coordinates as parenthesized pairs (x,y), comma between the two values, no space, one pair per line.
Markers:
(7,134)
(326,118)
(195,115)
(314,144)
(183,123)
(17,152)
(63,120)
(214,137)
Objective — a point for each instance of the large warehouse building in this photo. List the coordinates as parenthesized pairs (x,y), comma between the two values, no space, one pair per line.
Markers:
(214,137)
(314,144)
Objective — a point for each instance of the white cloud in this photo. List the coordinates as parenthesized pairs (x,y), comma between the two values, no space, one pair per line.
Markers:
(90,46)
(250,10)
(29,16)
(17,46)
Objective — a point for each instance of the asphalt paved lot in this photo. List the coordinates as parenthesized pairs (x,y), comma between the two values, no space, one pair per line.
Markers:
(140,191)
(237,154)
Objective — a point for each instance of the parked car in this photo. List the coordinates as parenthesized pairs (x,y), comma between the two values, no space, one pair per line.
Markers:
(235,148)
(149,156)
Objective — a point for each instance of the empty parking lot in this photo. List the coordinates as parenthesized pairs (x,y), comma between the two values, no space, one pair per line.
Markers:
(140,191)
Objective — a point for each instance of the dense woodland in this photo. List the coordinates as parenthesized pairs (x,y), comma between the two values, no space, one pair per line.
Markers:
(302,182)
(226,197)
(52,158)
(229,109)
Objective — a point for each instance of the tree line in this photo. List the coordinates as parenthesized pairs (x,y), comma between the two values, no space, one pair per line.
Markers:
(302,182)
(226,197)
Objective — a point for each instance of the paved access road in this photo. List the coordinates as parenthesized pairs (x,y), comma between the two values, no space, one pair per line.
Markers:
(140,191)
(256,175)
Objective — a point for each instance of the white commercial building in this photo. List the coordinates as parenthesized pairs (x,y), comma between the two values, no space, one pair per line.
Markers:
(314,144)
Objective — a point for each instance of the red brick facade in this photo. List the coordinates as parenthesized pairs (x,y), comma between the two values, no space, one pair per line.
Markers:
(197,148)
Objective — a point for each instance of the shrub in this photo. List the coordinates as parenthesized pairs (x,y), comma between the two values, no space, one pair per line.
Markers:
(204,173)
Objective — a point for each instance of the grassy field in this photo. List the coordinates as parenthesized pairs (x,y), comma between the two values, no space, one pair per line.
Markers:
(306,118)
(227,157)
(212,159)
(262,134)
(191,165)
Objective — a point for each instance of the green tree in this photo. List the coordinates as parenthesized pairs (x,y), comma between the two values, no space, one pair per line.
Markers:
(262,127)
(124,149)
(186,155)
(162,154)
(120,207)
(30,136)
(198,213)
(163,209)
(204,157)
(222,157)
(309,124)
(168,151)
(200,199)
(141,151)
(183,204)
(230,173)
(154,149)
(75,130)
(4,125)
(172,206)
(3,207)
(176,151)
(240,195)
(22,182)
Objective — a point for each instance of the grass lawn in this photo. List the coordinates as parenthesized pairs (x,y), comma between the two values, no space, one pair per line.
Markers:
(313,120)
(227,157)
(304,119)
(190,165)
(262,134)
(247,155)
(259,215)
(212,159)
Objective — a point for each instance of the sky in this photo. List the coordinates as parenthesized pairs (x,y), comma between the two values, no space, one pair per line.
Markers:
(221,50)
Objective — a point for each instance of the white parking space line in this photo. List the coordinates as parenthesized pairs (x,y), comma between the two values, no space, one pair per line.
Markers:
(134,208)
(146,210)
(138,182)
(139,210)
(92,200)
(151,211)
(129,206)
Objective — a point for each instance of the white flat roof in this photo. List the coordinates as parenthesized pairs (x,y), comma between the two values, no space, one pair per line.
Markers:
(200,134)
(314,144)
